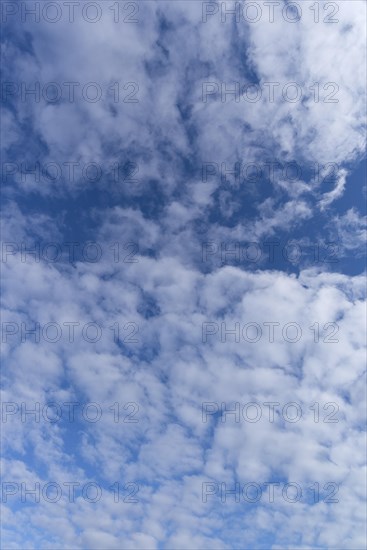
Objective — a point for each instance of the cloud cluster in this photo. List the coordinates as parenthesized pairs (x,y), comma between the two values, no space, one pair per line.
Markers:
(169,358)
(170,372)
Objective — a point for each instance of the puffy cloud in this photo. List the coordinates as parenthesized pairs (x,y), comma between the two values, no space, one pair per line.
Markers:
(199,375)
(171,451)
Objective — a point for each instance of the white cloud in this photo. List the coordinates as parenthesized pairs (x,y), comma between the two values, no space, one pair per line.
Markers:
(168,295)
(171,442)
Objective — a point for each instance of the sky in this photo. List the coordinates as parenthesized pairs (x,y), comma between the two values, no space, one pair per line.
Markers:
(183,275)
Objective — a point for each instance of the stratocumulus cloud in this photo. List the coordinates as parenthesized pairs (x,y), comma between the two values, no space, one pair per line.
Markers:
(183,312)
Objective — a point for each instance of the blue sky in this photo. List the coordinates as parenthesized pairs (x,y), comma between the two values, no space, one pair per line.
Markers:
(165,252)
